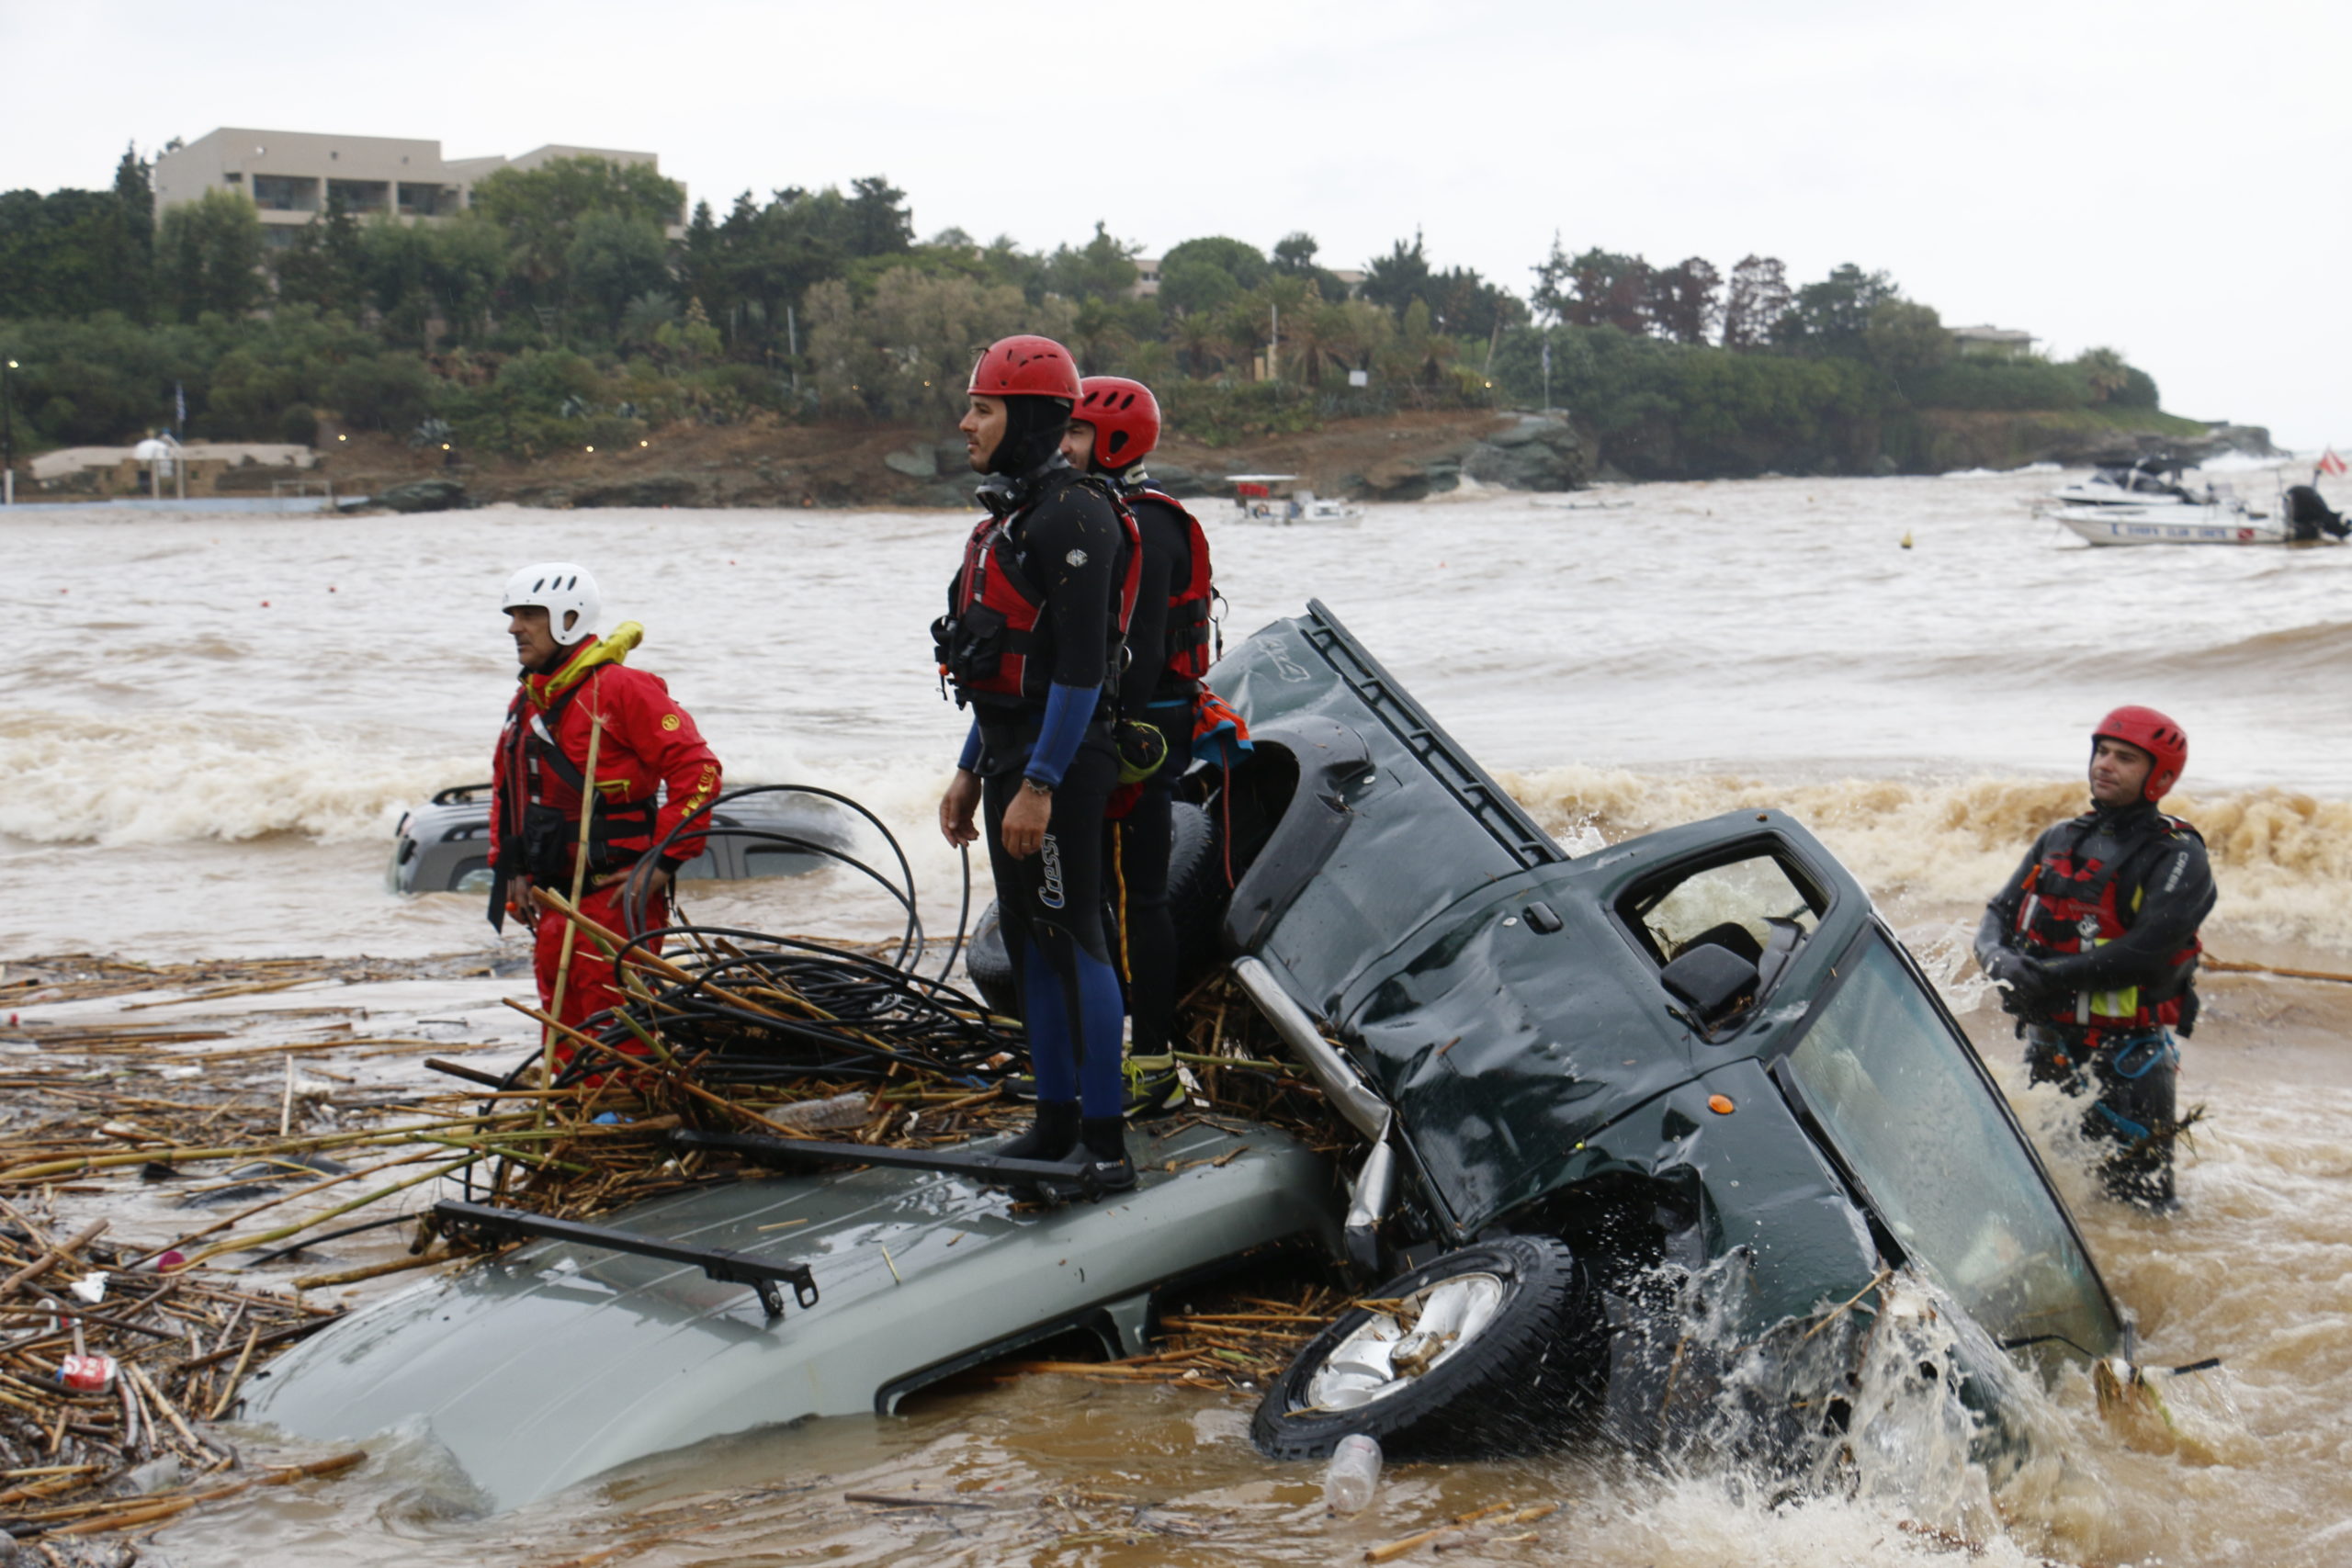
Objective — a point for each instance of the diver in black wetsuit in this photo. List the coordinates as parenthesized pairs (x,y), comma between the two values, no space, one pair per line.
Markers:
(1031,641)
(1114,428)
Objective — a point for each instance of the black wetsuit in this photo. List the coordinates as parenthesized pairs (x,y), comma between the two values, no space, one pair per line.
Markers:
(1138,841)
(2163,892)
(1068,543)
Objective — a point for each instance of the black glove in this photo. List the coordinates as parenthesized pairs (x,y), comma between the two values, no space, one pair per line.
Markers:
(2022,980)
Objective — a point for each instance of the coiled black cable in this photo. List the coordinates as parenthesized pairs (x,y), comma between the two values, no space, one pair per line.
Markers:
(853,1015)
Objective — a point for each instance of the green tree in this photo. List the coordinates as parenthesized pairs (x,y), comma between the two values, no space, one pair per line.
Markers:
(1754,303)
(2104,371)
(208,254)
(1685,300)
(1905,340)
(1831,316)
(325,266)
(1399,278)
(1103,268)
(612,259)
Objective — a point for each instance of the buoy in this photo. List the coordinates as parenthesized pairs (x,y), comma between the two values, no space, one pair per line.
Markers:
(265,604)
(1907,541)
(330,587)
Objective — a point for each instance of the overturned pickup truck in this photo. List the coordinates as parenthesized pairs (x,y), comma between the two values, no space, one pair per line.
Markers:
(1625,1118)
(1593,1089)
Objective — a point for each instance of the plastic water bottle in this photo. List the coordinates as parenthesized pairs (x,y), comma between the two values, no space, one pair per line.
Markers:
(1353,1475)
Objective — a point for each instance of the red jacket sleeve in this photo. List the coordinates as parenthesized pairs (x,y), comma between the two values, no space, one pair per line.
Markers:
(640,713)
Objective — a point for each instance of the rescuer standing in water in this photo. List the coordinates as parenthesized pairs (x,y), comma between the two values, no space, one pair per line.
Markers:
(1031,641)
(580,711)
(1114,428)
(2092,942)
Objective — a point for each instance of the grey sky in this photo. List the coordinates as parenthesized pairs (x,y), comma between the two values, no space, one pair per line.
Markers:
(2163,177)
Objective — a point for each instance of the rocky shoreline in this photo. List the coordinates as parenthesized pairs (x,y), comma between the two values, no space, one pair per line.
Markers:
(1406,456)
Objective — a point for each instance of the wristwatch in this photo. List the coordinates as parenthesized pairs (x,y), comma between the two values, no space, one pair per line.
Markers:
(1036,786)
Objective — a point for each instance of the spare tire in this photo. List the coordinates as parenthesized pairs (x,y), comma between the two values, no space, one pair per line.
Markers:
(991,966)
(1477,1358)
(1196,899)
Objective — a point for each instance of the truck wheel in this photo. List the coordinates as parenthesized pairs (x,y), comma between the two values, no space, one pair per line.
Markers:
(1469,1356)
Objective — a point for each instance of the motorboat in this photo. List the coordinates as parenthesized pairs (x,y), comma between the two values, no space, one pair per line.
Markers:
(1629,1139)
(1263,498)
(2151,481)
(2175,525)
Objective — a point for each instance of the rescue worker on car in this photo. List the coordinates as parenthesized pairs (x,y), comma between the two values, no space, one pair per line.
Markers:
(1032,642)
(2093,943)
(580,709)
(1114,428)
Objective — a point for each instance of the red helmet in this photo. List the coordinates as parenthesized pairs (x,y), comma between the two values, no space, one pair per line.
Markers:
(2151,732)
(1124,415)
(1024,367)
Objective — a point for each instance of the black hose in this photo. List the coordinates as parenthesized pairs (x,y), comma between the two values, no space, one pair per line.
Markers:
(856,1016)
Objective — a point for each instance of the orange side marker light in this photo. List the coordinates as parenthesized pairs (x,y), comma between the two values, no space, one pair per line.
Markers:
(1721,1104)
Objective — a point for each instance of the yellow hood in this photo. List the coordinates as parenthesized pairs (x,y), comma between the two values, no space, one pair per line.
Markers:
(613,649)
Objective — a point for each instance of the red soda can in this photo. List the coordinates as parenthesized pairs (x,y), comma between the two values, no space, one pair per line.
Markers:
(86,1374)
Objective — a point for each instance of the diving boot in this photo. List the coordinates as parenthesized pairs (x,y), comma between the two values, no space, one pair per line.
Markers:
(1050,1137)
(1098,1165)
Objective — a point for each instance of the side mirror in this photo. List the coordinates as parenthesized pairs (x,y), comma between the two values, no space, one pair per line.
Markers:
(1714,982)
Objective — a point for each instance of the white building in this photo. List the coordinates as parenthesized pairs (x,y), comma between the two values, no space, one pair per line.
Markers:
(1991,342)
(291,175)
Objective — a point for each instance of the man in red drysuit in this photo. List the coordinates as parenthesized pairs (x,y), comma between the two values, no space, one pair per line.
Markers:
(653,770)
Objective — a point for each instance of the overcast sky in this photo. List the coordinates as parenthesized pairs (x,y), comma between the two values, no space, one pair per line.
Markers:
(2166,179)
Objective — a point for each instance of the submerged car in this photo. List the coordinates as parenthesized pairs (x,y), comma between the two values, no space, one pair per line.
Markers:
(443,844)
(1623,1115)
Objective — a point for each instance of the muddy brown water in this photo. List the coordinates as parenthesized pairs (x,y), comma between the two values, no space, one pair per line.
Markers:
(189,774)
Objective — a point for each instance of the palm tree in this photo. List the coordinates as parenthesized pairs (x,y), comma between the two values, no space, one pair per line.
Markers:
(1198,340)
(2105,370)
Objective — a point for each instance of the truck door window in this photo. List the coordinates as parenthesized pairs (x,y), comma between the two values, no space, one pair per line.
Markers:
(1752,908)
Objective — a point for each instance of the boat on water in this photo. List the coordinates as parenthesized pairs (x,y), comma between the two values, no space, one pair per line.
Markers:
(2175,524)
(2151,481)
(1262,499)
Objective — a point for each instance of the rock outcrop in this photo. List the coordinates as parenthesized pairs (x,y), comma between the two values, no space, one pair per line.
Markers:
(1537,451)
(421,495)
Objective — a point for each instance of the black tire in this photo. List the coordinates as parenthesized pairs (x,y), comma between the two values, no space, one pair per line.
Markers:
(1196,899)
(1197,893)
(991,966)
(1511,1389)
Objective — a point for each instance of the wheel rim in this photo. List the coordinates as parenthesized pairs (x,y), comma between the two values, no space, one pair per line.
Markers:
(1391,1351)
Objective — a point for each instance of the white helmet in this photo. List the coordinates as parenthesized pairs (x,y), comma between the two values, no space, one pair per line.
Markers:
(557,586)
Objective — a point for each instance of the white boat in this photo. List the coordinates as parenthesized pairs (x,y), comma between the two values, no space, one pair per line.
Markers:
(2141,484)
(1260,499)
(2172,524)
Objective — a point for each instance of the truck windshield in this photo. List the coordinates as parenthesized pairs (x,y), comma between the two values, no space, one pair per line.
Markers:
(1900,1095)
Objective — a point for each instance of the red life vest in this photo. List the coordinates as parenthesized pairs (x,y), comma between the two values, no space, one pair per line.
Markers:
(1191,645)
(541,839)
(2070,906)
(985,639)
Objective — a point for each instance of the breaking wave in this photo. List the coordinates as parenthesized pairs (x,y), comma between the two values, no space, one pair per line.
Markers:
(160,778)
(2283,861)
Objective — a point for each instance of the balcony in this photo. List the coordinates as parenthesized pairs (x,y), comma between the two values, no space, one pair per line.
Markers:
(285,193)
(361,197)
(427,201)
